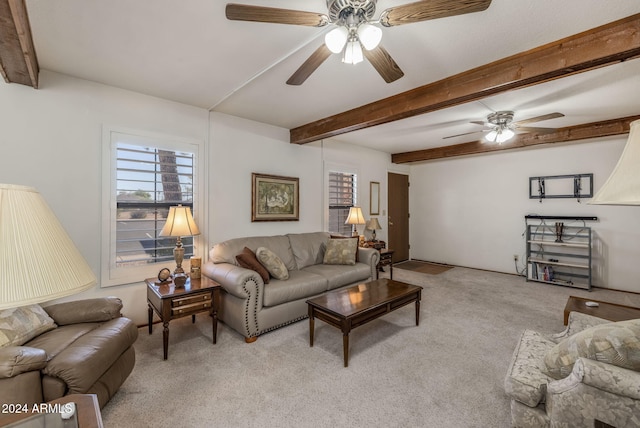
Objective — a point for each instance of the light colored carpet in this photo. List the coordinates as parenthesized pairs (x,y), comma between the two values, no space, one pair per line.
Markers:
(446,372)
(423,267)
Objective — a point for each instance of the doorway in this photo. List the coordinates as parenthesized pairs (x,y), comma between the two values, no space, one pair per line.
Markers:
(398,218)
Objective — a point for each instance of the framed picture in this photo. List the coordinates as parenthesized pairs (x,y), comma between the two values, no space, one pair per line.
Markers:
(274,198)
(374,202)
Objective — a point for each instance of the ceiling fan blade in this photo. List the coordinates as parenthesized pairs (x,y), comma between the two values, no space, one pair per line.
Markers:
(432,9)
(539,118)
(243,12)
(479,122)
(384,64)
(466,133)
(310,65)
(534,129)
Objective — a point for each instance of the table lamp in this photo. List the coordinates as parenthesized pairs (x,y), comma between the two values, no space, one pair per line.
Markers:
(373,225)
(355,218)
(38,259)
(179,223)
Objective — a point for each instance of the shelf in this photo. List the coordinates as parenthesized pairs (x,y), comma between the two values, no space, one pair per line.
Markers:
(547,262)
(559,244)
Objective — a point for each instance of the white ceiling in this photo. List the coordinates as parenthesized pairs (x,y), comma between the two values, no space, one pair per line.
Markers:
(187,51)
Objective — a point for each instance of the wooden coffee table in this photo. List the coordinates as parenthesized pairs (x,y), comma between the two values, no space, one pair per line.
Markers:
(604,310)
(352,307)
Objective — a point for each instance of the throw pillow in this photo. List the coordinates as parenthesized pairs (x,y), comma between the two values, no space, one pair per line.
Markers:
(248,260)
(272,263)
(19,325)
(341,252)
(616,343)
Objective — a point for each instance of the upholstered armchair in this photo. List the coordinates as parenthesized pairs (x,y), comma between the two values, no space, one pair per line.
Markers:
(590,372)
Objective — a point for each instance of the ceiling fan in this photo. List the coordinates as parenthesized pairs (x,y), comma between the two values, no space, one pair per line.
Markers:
(355,28)
(501,126)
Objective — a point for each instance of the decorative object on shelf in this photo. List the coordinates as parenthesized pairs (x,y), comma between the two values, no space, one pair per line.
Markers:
(623,185)
(561,186)
(355,218)
(374,202)
(373,225)
(559,230)
(179,223)
(164,275)
(39,261)
(274,198)
(195,267)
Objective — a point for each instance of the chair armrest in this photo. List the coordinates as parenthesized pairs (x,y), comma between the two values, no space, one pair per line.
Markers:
(578,322)
(370,256)
(15,360)
(233,278)
(89,310)
(603,376)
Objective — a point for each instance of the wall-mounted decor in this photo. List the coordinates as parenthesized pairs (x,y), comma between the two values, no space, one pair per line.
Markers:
(374,203)
(561,186)
(274,198)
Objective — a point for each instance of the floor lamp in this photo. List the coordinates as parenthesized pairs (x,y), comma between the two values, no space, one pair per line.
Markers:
(38,259)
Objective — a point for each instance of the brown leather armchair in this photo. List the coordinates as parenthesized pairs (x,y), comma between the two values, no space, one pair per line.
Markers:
(90,351)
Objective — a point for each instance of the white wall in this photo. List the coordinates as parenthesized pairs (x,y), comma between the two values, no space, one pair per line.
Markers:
(470,211)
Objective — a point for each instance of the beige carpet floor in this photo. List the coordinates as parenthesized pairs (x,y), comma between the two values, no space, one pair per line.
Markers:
(446,372)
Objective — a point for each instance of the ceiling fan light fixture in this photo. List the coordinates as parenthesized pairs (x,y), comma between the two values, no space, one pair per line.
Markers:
(499,135)
(353,52)
(336,39)
(369,36)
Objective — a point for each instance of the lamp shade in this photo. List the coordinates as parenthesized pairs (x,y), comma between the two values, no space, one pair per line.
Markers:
(355,216)
(353,52)
(373,224)
(179,223)
(369,35)
(38,260)
(336,39)
(623,185)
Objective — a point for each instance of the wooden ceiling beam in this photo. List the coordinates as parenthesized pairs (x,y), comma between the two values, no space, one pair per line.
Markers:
(561,135)
(18,61)
(598,47)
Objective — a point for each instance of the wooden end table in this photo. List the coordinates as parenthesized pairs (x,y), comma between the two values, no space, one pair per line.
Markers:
(352,307)
(386,259)
(608,311)
(171,302)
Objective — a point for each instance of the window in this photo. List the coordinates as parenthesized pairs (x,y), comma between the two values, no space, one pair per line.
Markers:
(342,196)
(146,176)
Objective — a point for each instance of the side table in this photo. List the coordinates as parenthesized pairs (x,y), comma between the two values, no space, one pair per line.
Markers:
(608,311)
(386,259)
(171,302)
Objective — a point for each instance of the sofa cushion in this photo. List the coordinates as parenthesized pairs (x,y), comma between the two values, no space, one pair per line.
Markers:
(341,275)
(616,343)
(87,310)
(225,252)
(248,260)
(525,380)
(272,263)
(301,284)
(19,325)
(308,248)
(341,252)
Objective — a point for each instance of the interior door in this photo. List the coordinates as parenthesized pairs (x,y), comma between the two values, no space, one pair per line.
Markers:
(398,219)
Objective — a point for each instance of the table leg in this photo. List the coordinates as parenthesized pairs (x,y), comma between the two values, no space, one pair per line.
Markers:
(418,312)
(150,319)
(311,327)
(165,339)
(345,348)
(214,322)
(391,269)
(193,319)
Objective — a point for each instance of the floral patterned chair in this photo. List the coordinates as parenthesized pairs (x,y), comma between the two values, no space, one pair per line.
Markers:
(588,374)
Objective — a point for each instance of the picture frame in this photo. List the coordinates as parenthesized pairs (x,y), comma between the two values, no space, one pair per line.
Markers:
(374,201)
(274,198)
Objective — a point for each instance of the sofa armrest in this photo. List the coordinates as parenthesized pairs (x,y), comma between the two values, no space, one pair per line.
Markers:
(605,377)
(15,360)
(578,322)
(233,278)
(89,310)
(371,257)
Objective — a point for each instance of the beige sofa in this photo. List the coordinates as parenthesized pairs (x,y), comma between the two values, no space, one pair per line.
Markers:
(80,347)
(252,308)
(590,372)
